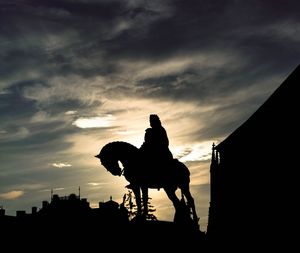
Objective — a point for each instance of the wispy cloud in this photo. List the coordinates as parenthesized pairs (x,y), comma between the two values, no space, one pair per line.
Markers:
(196,152)
(14,134)
(58,189)
(61,165)
(11,195)
(96,184)
(93,184)
(30,186)
(53,189)
(40,116)
(70,112)
(94,122)
(66,88)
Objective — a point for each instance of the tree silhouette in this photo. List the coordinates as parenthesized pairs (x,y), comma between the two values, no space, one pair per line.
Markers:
(128,202)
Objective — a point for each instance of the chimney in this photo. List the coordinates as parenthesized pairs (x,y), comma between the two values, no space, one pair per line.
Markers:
(34,210)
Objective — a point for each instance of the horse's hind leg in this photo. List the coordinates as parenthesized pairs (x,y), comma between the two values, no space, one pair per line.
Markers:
(190,201)
(182,215)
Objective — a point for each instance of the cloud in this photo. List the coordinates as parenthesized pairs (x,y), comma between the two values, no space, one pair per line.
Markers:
(94,122)
(30,186)
(58,189)
(15,135)
(95,184)
(40,116)
(70,112)
(286,30)
(59,90)
(11,195)
(203,66)
(53,189)
(61,165)
(196,152)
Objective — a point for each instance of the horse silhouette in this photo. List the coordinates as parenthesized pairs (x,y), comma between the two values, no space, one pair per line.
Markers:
(141,177)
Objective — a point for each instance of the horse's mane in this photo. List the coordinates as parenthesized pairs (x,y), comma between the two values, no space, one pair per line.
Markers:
(117,146)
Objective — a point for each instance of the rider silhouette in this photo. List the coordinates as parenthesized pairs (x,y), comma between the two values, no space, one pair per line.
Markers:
(155,148)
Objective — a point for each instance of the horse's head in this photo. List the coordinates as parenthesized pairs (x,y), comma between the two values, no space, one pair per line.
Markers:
(110,163)
(113,152)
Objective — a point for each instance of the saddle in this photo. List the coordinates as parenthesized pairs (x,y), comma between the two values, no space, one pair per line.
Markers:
(158,175)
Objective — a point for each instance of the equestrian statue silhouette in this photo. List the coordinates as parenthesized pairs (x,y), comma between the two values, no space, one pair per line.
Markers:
(143,175)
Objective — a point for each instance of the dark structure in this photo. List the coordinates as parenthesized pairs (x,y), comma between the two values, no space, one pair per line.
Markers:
(253,174)
(68,223)
(63,214)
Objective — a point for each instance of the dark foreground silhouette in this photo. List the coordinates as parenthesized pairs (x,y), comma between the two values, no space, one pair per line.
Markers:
(254,176)
(68,223)
(142,176)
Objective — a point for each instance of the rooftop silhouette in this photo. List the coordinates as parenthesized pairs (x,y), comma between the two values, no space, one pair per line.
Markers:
(253,173)
(72,217)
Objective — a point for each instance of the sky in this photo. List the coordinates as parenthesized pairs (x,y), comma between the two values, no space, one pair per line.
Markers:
(77,74)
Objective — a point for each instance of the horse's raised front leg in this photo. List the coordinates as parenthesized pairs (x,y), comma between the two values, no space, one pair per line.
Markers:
(137,194)
(145,200)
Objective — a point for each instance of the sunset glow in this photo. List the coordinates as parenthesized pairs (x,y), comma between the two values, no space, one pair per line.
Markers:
(75,77)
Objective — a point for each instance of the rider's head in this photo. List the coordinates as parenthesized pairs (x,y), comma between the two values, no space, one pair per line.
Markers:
(154,120)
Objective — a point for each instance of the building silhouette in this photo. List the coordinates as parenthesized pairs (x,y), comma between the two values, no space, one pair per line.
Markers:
(254,173)
(69,223)
(66,212)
